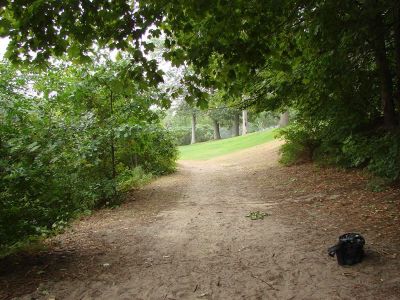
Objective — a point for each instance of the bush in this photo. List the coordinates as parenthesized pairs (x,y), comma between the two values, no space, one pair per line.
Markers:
(379,154)
(62,157)
(158,152)
(378,151)
(300,144)
(129,179)
(43,185)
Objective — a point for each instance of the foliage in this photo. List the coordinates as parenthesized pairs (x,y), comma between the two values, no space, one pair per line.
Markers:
(263,120)
(71,138)
(335,63)
(219,111)
(300,143)
(380,154)
(256,215)
(129,179)
(377,151)
(182,134)
(178,120)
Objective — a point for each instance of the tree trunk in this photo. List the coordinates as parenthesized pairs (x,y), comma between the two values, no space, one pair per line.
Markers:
(217,135)
(114,172)
(245,122)
(397,56)
(384,74)
(284,119)
(193,141)
(236,125)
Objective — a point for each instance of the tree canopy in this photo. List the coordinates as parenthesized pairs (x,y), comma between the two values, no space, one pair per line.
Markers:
(229,43)
(334,64)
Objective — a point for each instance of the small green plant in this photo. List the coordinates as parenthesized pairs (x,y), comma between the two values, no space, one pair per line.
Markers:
(133,178)
(377,184)
(257,215)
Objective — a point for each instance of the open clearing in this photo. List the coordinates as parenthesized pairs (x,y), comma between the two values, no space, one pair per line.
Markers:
(212,149)
(185,236)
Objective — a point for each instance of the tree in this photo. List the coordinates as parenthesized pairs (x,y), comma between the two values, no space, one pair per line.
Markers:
(184,109)
(222,112)
(245,122)
(284,119)
(194,123)
(236,124)
(73,138)
(335,63)
(291,28)
(217,134)
(217,114)
(294,32)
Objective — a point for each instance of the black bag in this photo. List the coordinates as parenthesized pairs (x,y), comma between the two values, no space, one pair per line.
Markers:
(349,250)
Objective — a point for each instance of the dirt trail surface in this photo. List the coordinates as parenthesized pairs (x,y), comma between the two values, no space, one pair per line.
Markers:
(186,236)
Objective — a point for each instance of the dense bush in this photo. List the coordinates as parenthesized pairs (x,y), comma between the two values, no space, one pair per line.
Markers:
(301,142)
(377,151)
(380,154)
(65,148)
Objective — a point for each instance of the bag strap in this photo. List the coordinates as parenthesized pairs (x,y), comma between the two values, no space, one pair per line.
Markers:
(332,250)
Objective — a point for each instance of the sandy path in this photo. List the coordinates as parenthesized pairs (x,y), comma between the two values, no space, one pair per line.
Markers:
(186,237)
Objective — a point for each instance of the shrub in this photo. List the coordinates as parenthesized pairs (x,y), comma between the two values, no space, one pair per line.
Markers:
(378,151)
(380,154)
(62,157)
(300,144)
(133,178)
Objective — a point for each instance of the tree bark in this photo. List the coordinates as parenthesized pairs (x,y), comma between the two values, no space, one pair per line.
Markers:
(284,119)
(384,74)
(114,172)
(397,56)
(245,122)
(236,125)
(217,135)
(193,141)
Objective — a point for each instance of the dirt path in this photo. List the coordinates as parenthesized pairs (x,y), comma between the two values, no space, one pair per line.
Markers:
(186,236)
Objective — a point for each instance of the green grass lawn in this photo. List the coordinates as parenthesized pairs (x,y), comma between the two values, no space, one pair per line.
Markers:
(207,150)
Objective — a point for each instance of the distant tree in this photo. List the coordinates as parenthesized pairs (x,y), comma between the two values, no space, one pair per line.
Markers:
(284,119)
(194,124)
(245,124)
(236,123)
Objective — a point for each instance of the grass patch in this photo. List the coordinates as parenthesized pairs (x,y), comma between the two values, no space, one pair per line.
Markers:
(208,150)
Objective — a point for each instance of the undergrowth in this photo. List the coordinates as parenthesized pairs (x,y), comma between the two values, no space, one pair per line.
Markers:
(378,151)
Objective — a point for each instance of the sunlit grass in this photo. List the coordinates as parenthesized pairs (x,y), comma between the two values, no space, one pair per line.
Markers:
(207,150)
